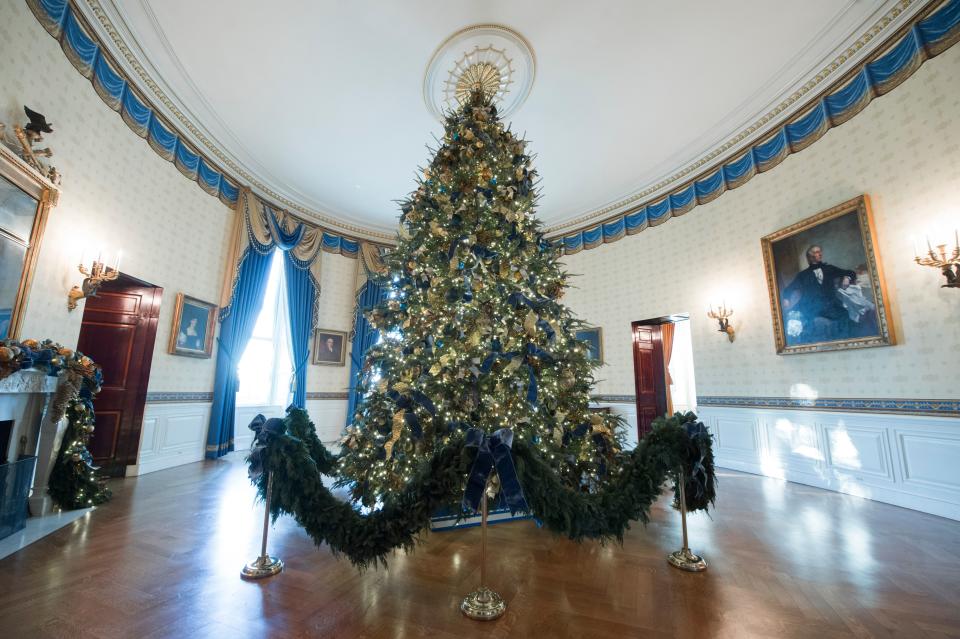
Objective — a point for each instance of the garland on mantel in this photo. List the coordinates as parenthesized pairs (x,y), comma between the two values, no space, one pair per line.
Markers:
(291,450)
(74,480)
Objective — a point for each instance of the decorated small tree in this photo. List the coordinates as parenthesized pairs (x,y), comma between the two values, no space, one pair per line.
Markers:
(473,332)
(74,481)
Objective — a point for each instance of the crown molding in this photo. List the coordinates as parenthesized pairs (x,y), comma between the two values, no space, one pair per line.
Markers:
(111,27)
(740,132)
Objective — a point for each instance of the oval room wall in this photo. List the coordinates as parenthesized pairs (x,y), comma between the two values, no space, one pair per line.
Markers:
(859,432)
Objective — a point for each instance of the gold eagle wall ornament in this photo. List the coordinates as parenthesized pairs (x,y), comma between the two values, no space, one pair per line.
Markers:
(27,137)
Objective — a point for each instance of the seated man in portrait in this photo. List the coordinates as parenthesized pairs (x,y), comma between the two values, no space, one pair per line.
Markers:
(812,308)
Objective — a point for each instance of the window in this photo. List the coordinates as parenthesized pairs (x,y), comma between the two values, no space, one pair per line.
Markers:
(265,368)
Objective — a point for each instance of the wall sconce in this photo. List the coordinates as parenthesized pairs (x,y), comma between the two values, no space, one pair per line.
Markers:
(93,280)
(949,266)
(722,316)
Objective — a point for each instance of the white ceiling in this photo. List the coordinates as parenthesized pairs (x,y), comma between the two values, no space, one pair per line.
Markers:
(322,101)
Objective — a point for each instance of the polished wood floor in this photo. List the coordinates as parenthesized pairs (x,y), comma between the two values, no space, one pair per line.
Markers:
(163,559)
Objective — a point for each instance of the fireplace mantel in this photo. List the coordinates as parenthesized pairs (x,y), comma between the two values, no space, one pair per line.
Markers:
(28,382)
(25,398)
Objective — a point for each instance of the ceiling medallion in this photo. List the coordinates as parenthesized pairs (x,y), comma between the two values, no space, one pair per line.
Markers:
(482,76)
(493,58)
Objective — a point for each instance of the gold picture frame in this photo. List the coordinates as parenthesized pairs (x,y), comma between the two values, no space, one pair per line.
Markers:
(195,338)
(36,186)
(828,307)
(329,347)
(594,338)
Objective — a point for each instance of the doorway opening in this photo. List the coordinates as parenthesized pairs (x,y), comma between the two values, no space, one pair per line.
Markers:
(662,368)
(118,331)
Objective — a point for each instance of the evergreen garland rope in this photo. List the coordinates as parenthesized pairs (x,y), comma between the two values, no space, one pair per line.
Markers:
(74,481)
(298,459)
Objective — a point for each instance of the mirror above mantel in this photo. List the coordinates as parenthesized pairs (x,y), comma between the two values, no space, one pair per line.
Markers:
(26,197)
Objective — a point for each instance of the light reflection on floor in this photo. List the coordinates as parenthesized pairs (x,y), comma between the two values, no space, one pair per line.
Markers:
(775,550)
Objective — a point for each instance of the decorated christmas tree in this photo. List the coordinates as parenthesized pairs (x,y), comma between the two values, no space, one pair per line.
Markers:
(473,332)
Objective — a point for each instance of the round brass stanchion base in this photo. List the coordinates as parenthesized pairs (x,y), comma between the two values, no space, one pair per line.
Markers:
(686,560)
(483,605)
(262,567)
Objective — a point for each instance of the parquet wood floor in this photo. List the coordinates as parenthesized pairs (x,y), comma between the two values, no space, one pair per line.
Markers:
(163,559)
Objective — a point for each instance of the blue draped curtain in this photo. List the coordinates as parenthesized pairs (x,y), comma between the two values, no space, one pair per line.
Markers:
(301,296)
(258,230)
(364,336)
(235,331)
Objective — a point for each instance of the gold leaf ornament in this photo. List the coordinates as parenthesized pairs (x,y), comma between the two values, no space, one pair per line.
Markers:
(395,434)
(530,323)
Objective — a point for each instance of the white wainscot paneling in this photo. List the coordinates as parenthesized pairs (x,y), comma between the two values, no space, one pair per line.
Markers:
(329,416)
(739,437)
(242,435)
(906,460)
(628,411)
(172,435)
(790,443)
(928,460)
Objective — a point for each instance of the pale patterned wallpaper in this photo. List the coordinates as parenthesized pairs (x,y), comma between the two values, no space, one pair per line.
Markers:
(119,193)
(336,313)
(116,192)
(904,151)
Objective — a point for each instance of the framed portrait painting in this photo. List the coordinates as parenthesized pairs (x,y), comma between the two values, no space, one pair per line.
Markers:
(194,322)
(826,282)
(329,347)
(594,339)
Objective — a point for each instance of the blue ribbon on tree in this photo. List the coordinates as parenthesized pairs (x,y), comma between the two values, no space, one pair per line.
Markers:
(518,299)
(263,431)
(406,404)
(493,451)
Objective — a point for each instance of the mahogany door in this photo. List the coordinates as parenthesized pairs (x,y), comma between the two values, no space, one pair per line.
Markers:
(648,376)
(118,331)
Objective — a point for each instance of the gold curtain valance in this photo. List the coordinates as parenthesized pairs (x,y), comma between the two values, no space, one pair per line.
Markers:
(259,227)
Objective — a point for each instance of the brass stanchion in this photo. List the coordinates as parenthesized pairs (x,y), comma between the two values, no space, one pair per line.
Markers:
(484,604)
(264,565)
(685,559)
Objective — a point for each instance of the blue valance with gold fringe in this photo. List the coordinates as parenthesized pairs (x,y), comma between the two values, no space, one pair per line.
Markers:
(88,56)
(927,37)
(81,47)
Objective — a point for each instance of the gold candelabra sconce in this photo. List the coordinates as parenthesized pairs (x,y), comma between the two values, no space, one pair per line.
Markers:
(949,265)
(94,278)
(722,315)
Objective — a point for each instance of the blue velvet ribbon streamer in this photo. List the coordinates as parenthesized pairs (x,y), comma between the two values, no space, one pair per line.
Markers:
(544,326)
(493,451)
(406,403)
(532,350)
(518,299)
(697,473)
(263,431)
